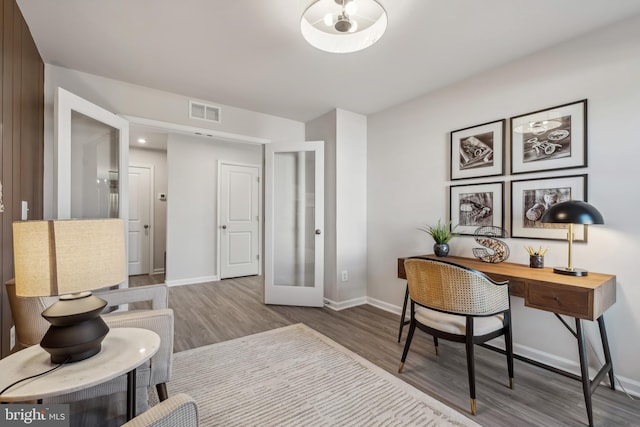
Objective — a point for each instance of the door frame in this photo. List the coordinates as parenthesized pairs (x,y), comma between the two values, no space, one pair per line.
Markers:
(260,210)
(152,230)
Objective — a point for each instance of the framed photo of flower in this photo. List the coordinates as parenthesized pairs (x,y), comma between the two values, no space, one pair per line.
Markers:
(550,139)
(531,198)
(478,151)
(476,205)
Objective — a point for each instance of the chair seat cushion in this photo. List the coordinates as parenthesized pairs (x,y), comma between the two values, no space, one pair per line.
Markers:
(456,324)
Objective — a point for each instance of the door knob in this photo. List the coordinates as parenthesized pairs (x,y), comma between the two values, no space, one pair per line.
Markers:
(318,231)
(224,227)
(146,226)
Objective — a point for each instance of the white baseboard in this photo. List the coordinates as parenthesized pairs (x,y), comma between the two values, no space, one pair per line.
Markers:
(192,280)
(629,386)
(384,306)
(337,306)
(157,271)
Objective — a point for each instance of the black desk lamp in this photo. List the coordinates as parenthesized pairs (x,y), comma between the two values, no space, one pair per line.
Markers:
(572,212)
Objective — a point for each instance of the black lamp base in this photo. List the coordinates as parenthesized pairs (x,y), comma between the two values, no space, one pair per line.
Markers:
(572,272)
(76,330)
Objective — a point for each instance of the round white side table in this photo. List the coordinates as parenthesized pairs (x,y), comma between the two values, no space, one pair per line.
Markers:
(123,350)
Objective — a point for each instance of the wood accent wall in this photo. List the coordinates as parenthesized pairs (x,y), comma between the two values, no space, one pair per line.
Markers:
(21,139)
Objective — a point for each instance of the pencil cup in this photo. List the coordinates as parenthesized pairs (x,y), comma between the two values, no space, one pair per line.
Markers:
(536,261)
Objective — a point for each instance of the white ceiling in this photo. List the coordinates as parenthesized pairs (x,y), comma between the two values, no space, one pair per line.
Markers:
(250,54)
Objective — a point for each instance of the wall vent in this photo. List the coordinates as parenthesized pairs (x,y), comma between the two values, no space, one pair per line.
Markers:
(200,111)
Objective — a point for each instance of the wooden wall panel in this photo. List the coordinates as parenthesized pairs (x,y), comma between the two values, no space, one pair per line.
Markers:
(21,139)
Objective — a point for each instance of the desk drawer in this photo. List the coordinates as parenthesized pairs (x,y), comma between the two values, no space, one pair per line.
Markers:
(516,286)
(575,302)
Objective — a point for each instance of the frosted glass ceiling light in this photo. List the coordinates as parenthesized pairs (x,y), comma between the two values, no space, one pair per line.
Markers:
(343,26)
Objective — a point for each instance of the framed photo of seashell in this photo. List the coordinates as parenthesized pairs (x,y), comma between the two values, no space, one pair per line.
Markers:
(478,151)
(550,139)
(476,205)
(531,198)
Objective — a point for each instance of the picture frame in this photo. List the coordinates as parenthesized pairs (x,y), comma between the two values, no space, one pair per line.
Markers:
(550,139)
(478,151)
(530,198)
(476,205)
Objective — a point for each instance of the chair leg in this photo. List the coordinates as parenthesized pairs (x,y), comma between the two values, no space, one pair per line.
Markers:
(404,312)
(509,346)
(162,392)
(470,364)
(407,344)
(435,343)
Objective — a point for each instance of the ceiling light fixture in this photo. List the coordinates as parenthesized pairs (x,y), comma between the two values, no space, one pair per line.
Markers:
(343,26)
(142,141)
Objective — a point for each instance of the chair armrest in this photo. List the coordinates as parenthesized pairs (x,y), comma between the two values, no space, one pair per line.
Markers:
(177,411)
(159,321)
(157,294)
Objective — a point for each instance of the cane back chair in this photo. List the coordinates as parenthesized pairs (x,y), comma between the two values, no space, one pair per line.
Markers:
(458,304)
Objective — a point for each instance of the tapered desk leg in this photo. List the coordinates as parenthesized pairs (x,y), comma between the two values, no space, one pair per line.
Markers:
(607,352)
(584,370)
(131,395)
(404,312)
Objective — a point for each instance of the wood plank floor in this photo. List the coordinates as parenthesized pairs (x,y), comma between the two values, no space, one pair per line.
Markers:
(218,311)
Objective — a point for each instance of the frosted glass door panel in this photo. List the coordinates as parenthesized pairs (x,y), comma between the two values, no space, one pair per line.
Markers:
(294,219)
(94,168)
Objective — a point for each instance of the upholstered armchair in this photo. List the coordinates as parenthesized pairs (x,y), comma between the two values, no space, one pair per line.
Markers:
(177,411)
(31,327)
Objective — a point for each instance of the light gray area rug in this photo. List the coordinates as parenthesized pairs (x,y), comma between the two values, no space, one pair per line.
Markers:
(295,376)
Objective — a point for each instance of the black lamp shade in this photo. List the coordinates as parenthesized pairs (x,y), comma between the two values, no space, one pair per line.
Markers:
(572,212)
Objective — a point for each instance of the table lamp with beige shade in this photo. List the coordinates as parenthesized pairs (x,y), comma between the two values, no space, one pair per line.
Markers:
(70,258)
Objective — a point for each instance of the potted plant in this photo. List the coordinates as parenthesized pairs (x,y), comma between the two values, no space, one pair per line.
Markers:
(441,234)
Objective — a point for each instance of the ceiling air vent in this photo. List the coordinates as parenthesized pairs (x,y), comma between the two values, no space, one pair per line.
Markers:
(198,110)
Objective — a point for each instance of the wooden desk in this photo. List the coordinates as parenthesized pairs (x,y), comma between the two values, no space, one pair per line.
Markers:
(581,297)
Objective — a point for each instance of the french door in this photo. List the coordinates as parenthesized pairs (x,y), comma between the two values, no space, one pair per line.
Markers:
(294,224)
(91,151)
(91,155)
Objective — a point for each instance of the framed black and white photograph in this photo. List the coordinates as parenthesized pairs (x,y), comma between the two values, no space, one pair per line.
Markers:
(478,151)
(476,205)
(531,198)
(550,139)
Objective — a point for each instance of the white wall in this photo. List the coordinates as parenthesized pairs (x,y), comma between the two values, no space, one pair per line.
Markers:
(345,138)
(192,198)
(408,157)
(351,205)
(133,100)
(157,159)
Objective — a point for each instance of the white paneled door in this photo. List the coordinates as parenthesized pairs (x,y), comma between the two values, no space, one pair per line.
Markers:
(294,224)
(239,219)
(140,227)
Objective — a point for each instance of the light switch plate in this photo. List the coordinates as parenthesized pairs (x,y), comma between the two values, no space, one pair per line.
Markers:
(25,210)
